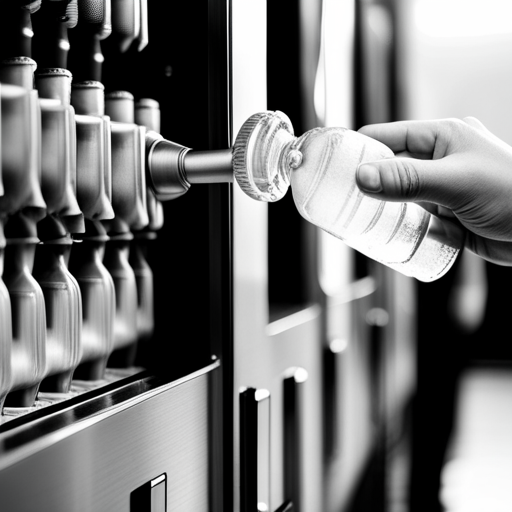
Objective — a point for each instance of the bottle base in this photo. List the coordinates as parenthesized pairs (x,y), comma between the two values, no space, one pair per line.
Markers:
(437,252)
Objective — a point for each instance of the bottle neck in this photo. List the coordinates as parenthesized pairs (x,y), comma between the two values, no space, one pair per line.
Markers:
(50,257)
(290,159)
(19,257)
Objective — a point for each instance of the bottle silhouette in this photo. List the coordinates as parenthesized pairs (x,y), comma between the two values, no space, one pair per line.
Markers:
(320,166)
(21,207)
(94,193)
(129,205)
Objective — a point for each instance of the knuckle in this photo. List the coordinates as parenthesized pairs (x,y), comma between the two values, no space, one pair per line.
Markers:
(453,124)
(406,179)
(471,120)
(451,134)
(475,123)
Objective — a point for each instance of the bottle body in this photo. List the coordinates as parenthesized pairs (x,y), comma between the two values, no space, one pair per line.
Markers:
(144,281)
(98,305)
(63,305)
(125,315)
(393,233)
(28,355)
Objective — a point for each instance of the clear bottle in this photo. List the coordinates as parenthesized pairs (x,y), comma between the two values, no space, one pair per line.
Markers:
(320,166)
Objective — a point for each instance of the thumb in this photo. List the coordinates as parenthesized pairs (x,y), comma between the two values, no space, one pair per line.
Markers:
(401,179)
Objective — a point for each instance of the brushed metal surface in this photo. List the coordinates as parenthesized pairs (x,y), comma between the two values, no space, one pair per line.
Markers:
(94,464)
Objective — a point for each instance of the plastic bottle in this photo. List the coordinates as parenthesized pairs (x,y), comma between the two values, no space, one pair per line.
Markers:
(320,166)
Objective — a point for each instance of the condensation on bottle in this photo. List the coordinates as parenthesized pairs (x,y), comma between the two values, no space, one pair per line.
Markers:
(320,166)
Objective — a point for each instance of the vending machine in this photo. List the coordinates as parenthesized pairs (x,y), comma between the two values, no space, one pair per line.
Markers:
(168,343)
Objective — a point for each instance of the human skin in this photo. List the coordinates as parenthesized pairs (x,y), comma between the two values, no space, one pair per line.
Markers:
(453,168)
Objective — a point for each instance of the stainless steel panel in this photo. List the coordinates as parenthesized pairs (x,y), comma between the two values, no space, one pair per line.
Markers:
(95,463)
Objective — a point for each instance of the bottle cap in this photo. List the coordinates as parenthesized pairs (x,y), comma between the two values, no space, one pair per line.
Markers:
(259,156)
(54,83)
(18,71)
(94,232)
(119,105)
(52,229)
(88,98)
(147,113)
(21,227)
(74,223)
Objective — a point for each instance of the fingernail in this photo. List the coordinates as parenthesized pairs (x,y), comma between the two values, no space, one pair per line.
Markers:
(368,178)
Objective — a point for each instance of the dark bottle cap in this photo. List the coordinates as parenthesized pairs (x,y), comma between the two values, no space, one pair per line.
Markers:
(51,229)
(20,226)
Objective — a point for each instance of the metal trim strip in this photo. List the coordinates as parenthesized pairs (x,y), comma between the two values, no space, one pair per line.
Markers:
(13,454)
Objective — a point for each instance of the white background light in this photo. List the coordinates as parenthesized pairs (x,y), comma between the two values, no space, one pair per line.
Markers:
(463,18)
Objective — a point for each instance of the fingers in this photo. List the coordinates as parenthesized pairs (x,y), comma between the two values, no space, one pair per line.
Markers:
(436,209)
(438,171)
(408,179)
(455,164)
(394,179)
(495,251)
(475,123)
(414,137)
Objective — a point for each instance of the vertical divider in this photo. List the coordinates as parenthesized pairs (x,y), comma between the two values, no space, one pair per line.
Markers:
(293,409)
(255,450)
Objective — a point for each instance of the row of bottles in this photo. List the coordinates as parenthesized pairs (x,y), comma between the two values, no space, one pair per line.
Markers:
(76,291)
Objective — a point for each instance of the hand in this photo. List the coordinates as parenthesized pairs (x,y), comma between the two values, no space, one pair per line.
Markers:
(452,168)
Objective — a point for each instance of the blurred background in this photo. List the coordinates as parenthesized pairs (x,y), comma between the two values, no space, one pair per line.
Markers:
(451,62)
(250,362)
(424,59)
